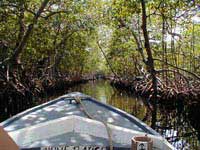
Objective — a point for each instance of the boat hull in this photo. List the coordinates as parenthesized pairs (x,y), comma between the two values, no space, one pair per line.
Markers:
(62,124)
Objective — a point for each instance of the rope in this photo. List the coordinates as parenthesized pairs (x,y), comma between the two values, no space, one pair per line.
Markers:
(79,101)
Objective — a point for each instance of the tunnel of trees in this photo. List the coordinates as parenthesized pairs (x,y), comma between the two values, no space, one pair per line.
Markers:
(151,48)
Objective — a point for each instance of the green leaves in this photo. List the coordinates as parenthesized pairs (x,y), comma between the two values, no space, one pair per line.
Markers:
(68,29)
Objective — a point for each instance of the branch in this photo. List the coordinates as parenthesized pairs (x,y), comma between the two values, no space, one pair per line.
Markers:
(139,45)
(16,6)
(154,13)
(19,49)
(191,73)
(54,13)
(186,13)
(169,70)
(11,83)
(107,60)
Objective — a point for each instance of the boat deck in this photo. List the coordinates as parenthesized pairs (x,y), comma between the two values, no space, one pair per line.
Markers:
(61,107)
(62,122)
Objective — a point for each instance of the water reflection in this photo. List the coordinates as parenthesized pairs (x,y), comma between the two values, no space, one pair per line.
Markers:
(177,129)
(101,90)
(176,124)
(179,124)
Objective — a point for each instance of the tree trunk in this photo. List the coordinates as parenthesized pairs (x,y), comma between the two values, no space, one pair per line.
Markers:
(150,63)
(21,23)
(15,60)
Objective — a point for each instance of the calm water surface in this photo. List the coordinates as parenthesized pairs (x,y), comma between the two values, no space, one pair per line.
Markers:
(175,124)
(179,124)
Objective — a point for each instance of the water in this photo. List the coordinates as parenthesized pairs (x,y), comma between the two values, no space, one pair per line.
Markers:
(179,124)
(103,91)
(176,124)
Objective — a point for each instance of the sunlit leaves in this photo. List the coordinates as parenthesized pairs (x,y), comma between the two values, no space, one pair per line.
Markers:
(80,22)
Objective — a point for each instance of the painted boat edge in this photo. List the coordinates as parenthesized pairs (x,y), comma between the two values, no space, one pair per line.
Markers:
(69,96)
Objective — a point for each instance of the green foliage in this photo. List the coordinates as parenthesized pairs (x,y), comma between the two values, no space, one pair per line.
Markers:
(171,33)
(123,54)
(61,37)
(67,31)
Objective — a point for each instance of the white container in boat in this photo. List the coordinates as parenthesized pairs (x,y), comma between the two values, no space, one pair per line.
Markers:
(142,143)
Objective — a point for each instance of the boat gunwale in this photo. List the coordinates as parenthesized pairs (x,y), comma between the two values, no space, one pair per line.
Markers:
(84,97)
(131,118)
(100,147)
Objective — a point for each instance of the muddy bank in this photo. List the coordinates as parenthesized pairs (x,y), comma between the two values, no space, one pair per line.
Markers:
(13,101)
(51,87)
(139,87)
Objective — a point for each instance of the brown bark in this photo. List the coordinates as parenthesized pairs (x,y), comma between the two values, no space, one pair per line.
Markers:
(22,44)
(175,72)
(150,63)
(21,23)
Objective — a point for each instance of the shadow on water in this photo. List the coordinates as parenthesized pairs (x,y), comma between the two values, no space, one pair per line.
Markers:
(179,124)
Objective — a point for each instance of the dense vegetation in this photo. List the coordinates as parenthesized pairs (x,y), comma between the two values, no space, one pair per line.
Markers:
(151,47)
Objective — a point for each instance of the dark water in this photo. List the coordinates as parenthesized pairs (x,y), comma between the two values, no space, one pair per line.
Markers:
(175,124)
(179,124)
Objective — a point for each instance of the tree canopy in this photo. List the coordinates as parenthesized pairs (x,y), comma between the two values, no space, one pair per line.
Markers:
(152,46)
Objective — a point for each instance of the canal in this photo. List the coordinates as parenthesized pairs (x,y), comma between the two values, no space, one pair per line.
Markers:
(177,125)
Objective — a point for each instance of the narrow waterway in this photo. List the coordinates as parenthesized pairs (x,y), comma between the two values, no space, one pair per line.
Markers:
(175,124)
(179,124)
